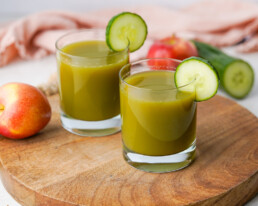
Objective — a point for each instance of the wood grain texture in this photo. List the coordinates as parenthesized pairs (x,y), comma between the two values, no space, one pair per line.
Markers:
(58,168)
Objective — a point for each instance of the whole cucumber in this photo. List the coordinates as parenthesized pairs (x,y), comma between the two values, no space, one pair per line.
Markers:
(236,75)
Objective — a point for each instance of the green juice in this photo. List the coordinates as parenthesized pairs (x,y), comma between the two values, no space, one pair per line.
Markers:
(88,80)
(157,119)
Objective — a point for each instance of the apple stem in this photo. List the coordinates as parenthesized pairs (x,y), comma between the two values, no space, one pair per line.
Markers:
(1,108)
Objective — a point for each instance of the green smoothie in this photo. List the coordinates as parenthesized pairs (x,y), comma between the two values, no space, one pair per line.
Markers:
(157,119)
(88,80)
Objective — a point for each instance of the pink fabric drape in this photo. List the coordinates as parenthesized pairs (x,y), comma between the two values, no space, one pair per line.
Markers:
(219,22)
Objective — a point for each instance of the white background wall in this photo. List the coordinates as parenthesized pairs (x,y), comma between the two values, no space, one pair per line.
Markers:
(11,9)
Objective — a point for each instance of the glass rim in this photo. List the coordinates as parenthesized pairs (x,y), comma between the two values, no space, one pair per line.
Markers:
(76,31)
(147,89)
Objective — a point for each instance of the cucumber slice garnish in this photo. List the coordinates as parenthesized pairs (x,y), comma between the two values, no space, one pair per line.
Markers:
(126,30)
(197,74)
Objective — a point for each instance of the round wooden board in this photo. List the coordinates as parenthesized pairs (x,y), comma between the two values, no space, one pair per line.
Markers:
(59,168)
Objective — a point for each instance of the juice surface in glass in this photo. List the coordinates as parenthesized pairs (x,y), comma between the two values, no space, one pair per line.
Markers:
(157,118)
(88,78)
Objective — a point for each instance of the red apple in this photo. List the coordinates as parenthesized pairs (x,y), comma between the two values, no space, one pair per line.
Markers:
(171,47)
(24,110)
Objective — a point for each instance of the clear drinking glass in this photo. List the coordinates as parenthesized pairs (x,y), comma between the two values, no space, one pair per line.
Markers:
(89,83)
(158,119)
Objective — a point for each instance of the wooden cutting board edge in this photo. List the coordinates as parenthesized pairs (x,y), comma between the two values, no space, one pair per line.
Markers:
(25,198)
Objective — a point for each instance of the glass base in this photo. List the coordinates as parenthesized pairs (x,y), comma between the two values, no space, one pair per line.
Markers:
(160,164)
(91,128)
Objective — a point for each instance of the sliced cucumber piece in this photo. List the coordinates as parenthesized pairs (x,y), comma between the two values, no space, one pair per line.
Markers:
(238,79)
(197,74)
(126,30)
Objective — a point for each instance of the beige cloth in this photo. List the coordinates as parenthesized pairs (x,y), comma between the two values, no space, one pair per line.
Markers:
(219,22)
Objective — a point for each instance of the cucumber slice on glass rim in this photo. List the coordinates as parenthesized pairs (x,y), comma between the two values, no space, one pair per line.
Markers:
(126,30)
(199,76)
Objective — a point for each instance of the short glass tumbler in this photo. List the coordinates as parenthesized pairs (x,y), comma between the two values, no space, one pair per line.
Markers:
(158,119)
(89,83)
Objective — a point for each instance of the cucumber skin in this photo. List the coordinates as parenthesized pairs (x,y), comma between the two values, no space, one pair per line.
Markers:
(220,62)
